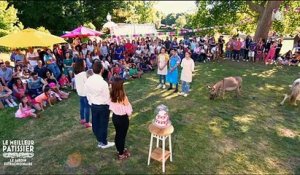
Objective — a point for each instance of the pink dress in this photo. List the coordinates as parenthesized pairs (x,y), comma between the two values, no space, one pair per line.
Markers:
(24,112)
(63,81)
(271,54)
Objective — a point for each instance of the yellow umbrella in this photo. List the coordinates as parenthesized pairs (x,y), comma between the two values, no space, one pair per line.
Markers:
(29,38)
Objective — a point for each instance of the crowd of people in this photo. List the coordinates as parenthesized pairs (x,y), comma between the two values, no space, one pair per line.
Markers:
(267,51)
(36,69)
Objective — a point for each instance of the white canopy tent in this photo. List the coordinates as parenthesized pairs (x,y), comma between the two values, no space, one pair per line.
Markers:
(128,29)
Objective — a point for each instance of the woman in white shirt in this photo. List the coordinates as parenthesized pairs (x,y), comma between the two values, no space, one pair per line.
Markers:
(188,66)
(80,79)
(162,62)
(90,46)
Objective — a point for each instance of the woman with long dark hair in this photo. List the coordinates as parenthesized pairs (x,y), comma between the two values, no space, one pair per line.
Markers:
(122,109)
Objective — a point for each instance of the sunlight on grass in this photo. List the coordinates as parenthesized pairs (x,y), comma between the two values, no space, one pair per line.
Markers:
(134,115)
(216,125)
(244,119)
(170,96)
(267,73)
(126,82)
(285,132)
(271,87)
(153,79)
(144,98)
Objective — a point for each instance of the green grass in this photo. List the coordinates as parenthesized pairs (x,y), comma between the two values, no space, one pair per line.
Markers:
(247,135)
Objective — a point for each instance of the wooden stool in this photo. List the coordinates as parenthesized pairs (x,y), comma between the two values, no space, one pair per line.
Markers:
(160,154)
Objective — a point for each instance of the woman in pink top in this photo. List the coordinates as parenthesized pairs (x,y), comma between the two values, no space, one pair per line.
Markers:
(271,54)
(121,108)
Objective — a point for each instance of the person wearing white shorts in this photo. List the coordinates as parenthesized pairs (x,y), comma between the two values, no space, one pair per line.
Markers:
(251,55)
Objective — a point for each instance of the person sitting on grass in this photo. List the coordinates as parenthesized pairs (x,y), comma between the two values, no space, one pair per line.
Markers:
(285,59)
(5,74)
(134,72)
(5,96)
(52,82)
(64,82)
(117,70)
(25,110)
(40,69)
(68,62)
(32,102)
(126,75)
(19,88)
(295,59)
(45,97)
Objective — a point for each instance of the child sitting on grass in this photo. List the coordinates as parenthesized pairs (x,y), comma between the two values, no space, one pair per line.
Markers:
(44,98)
(25,110)
(133,72)
(64,81)
(32,102)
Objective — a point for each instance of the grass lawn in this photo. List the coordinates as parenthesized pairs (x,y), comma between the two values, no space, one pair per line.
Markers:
(250,134)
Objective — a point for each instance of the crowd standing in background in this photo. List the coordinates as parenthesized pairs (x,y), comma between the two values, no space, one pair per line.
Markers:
(127,59)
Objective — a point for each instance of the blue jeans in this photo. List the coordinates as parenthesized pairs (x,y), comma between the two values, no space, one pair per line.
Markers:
(236,55)
(162,79)
(84,109)
(100,118)
(54,69)
(185,87)
(228,54)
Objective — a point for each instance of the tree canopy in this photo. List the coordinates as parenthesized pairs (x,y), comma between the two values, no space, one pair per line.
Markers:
(248,16)
(8,19)
(63,15)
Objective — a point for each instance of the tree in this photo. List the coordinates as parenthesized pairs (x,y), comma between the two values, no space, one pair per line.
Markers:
(43,29)
(229,12)
(63,15)
(8,19)
(89,25)
(171,18)
(180,22)
(136,12)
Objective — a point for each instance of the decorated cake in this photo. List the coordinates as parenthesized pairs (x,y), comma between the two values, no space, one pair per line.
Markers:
(162,119)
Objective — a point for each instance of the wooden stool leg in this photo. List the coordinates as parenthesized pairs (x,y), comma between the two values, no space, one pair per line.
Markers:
(163,154)
(170,147)
(150,149)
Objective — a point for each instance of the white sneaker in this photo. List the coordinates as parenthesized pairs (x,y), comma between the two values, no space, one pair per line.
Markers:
(180,93)
(10,105)
(164,87)
(159,86)
(15,104)
(109,144)
(185,95)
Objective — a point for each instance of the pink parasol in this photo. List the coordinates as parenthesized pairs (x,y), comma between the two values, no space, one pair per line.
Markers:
(81,32)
